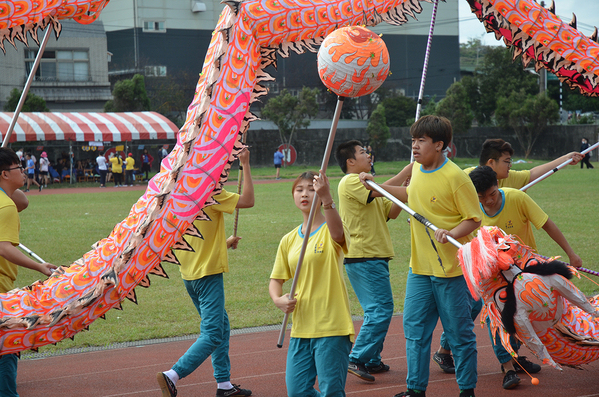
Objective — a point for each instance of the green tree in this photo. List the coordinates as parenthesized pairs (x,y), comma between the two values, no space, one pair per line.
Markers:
(456,107)
(33,103)
(129,96)
(291,113)
(528,115)
(497,77)
(399,110)
(377,129)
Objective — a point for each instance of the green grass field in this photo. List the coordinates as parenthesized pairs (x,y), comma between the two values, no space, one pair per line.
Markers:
(61,228)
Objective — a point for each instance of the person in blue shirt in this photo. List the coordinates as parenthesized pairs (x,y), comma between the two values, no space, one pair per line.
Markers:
(278,162)
(31,173)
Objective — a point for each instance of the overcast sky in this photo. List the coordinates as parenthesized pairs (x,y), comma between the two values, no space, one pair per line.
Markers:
(587,13)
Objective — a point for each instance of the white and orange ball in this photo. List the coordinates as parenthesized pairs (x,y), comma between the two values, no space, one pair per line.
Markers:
(353,61)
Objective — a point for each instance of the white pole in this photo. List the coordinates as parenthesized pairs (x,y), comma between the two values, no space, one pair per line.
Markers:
(30,78)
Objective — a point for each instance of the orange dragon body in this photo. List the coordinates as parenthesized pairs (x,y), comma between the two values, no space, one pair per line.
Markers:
(247,38)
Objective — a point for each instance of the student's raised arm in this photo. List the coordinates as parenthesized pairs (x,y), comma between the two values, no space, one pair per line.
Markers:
(246,199)
(542,169)
(334,223)
(553,231)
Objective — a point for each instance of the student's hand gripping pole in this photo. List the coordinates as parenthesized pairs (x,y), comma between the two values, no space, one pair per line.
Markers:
(323,167)
(410,211)
(559,167)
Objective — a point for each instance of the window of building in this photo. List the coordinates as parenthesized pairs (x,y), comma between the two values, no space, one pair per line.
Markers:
(154,26)
(155,71)
(59,65)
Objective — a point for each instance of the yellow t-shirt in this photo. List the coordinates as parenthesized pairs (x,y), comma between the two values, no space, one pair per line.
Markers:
(130,164)
(367,222)
(117,165)
(209,255)
(514,180)
(446,197)
(516,214)
(9,219)
(322,307)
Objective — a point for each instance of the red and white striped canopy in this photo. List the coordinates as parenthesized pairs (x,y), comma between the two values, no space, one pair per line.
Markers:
(99,127)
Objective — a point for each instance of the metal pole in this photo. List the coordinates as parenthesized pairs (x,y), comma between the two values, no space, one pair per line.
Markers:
(425,67)
(33,254)
(36,63)
(410,211)
(239,181)
(559,167)
(323,167)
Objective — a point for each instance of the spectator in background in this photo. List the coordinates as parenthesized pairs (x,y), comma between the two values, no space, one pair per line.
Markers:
(117,169)
(587,157)
(163,153)
(44,163)
(31,173)
(146,163)
(371,154)
(130,167)
(102,169)
(278,162)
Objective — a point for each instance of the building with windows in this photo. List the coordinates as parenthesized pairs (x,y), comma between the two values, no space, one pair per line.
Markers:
(167,38)
(73,72)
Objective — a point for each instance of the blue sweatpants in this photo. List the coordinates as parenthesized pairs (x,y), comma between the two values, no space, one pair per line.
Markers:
(370,281)
(8,375)
(208,296)
(477,306)
(429,298)
(326,358)
(502,355)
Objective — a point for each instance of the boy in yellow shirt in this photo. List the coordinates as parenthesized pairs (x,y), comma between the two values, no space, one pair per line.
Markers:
(367,261)
(202,268)
(129,168)
(441,192)
(515,212)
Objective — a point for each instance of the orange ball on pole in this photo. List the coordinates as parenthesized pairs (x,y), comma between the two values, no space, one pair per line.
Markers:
(353,61)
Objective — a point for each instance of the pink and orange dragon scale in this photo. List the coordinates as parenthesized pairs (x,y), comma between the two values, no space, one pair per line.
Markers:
(548,313)
(246,40)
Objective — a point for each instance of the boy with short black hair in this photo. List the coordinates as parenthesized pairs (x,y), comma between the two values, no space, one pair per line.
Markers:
(11,179)
(497,154)
(367,261)
(441,192)
(514,211)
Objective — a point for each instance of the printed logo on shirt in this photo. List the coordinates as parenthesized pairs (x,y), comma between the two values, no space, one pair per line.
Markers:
(509,225)
(433,199)
(318,248)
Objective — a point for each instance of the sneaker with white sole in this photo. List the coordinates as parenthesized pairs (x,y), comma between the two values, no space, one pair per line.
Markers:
(359,370)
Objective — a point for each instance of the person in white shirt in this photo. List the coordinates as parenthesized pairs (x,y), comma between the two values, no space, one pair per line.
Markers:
(101,161)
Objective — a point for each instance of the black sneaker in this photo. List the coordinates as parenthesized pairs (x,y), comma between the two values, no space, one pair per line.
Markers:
(360,371)
(529,366)
(467,393)
(377,369)
(510,380)
(234,391)
(40,188)
(166,385)
(411,393)
(445,362)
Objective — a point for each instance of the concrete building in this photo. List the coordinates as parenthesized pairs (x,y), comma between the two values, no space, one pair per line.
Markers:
(73,73)
(160,38)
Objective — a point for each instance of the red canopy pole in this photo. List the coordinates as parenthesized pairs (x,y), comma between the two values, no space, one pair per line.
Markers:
(36,63)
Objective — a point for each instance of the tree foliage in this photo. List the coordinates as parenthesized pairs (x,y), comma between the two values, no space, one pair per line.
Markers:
(528,115)
(33,103)
(171,95)
(377,129)
(497,77)
(129,96)
(455,107)
(291,113)
(399,110)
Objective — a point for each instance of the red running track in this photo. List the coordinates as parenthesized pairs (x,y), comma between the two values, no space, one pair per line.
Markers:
(257,364)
